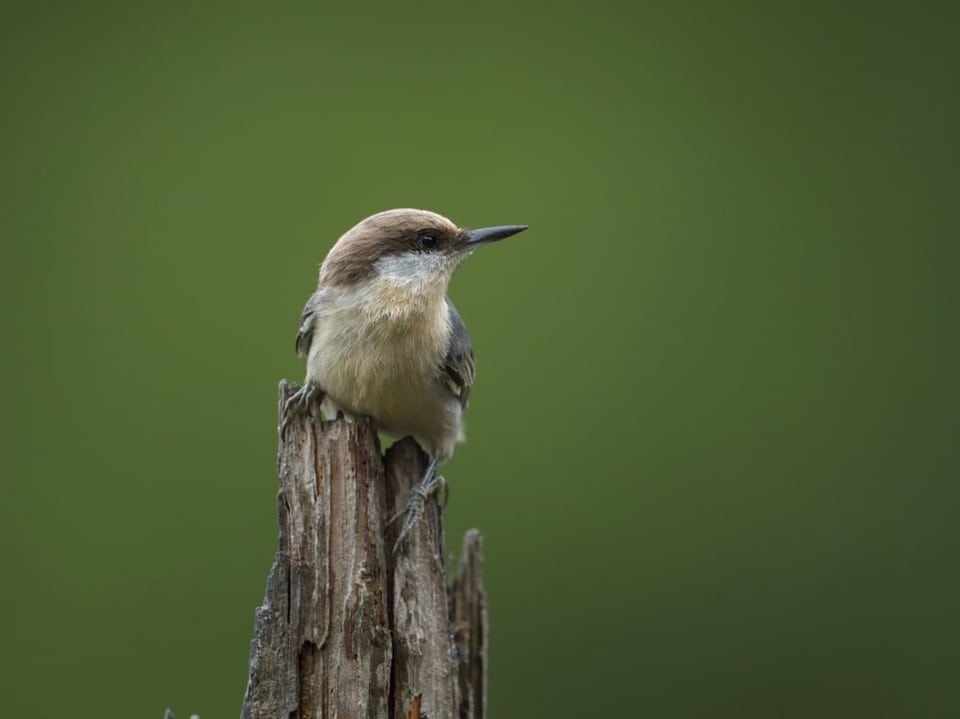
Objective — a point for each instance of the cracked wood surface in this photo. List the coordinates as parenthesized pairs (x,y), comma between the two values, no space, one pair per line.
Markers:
(346,628)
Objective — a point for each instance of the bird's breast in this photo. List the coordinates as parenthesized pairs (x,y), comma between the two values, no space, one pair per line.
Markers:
(378,351)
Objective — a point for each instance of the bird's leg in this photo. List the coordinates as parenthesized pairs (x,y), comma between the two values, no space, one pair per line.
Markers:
(306,399)
(428,484)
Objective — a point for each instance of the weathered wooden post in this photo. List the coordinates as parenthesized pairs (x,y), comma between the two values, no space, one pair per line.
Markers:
(348,629)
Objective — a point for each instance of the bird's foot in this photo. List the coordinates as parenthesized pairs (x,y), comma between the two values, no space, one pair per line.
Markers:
(412,513)
(305,400)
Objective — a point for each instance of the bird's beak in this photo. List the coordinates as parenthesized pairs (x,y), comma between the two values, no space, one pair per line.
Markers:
(486,235)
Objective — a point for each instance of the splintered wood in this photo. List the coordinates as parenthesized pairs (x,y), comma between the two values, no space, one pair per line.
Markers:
(347,628)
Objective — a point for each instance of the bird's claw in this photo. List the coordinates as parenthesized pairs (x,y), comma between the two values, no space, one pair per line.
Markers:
(413,511)
(300,402)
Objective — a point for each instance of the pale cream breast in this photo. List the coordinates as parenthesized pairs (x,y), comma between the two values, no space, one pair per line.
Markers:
(377,351)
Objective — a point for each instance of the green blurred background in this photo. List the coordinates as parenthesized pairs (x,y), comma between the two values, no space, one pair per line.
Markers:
(713,443)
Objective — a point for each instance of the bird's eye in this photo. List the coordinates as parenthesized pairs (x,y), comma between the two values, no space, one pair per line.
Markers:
(427,241)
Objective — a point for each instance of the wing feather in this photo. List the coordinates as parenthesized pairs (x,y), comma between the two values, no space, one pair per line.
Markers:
(307,323)
(459,365)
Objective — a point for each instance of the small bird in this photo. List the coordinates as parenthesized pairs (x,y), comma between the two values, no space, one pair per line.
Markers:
(383,340)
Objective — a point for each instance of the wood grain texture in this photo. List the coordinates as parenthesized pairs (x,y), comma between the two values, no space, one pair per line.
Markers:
(468,621)
(347,628)
(424,663)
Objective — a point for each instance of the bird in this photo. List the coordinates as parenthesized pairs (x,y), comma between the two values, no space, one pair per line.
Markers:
(383,340)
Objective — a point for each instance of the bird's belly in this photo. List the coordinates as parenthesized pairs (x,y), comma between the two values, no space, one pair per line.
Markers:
(389,375)
(404,408)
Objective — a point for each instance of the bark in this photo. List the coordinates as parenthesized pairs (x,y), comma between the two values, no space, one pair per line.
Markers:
(347,628)
(468,619)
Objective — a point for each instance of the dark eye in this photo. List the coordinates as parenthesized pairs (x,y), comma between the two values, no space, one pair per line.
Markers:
(427,241)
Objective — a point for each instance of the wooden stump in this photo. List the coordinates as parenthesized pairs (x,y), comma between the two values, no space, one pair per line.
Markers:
(347,628)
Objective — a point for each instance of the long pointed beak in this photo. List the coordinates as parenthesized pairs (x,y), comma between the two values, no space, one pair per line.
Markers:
(486,235)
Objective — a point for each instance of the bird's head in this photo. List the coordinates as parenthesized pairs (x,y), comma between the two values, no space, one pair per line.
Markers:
(408,247)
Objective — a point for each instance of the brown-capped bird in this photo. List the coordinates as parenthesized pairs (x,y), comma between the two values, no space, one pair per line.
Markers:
(383,340)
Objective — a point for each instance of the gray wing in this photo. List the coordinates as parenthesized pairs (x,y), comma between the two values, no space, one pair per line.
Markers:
(459,366)
(307,320)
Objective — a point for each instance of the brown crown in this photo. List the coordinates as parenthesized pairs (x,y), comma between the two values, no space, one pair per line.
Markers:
(353,257)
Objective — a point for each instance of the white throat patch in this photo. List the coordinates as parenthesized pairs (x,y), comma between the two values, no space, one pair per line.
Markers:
(415,268)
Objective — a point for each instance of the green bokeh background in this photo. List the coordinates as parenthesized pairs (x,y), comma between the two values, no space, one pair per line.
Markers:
(713,443)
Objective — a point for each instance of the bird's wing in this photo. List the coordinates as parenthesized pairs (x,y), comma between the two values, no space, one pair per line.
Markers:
(459,366)
(307,320)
